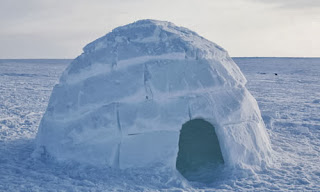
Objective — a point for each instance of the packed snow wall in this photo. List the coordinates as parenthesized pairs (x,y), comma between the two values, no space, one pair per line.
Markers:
(122,103)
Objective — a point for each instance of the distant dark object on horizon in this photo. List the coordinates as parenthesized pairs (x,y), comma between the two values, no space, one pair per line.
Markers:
(262,73)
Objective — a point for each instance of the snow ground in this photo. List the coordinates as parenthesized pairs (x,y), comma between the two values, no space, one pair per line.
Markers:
(289,103)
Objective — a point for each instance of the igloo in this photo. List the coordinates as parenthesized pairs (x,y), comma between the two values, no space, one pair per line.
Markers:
(153,94)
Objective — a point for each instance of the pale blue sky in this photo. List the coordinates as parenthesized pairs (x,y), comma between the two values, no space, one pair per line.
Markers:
(60,29)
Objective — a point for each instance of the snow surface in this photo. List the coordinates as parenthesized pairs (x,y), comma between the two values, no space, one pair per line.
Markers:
(289,103)
(122,103)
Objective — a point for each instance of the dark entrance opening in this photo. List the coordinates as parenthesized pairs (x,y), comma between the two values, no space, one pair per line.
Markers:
(199,151)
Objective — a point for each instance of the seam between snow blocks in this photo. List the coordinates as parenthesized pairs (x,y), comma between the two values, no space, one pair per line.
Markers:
(117,156)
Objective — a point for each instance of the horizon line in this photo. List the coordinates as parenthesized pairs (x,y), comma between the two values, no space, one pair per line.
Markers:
(295,57)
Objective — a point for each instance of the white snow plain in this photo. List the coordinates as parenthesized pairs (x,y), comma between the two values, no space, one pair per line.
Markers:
(289,104)
(123,101)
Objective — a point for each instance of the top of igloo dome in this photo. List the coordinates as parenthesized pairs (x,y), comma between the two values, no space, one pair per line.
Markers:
(148,40)
(164,36)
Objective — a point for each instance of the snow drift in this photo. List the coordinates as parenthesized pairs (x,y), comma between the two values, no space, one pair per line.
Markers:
(122,103)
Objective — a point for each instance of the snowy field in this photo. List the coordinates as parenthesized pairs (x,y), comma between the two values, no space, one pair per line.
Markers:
(289,103)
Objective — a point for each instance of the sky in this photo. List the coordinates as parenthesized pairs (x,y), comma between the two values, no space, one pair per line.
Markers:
(245,28)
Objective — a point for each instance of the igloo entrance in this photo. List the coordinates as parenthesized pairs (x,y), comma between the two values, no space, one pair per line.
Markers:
(199,150)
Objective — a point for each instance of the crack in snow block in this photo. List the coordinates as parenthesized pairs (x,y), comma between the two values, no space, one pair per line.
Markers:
(123,102)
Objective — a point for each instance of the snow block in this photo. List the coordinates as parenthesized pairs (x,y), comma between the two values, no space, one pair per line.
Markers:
(123,102)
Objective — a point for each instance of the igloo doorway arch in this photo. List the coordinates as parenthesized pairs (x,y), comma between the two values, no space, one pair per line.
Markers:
(199,150)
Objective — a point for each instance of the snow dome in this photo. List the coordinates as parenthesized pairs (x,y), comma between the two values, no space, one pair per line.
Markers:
(153,94)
